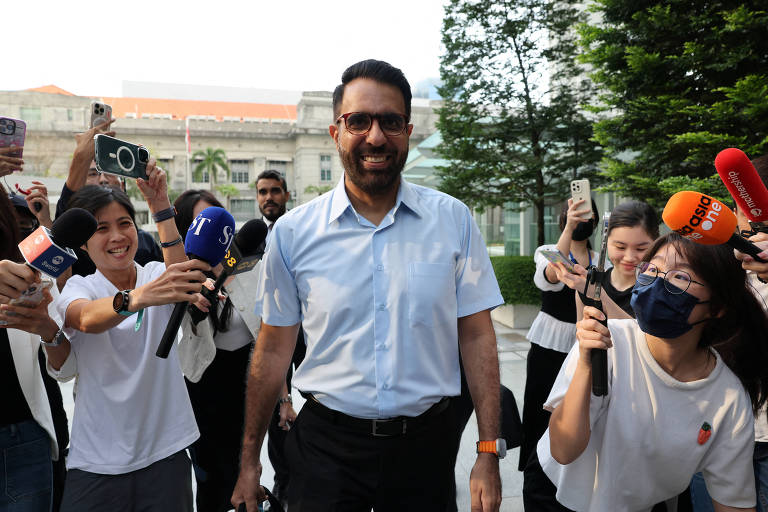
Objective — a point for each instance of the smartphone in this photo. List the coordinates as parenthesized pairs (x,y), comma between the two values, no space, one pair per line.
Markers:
(580,192)
(12,133)
(30,297)
(100,113)
(115,156)
(557,257)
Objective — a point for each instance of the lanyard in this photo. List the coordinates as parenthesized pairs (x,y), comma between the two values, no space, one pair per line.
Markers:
(589,254)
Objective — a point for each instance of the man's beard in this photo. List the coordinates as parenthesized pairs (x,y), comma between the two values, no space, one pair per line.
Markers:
(272,217)
(372,182)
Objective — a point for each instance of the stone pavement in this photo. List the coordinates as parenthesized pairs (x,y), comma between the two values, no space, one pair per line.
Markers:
(513,350)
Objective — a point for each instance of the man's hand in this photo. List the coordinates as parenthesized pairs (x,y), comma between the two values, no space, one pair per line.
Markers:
(287,416)
(248,488)
(85,148)
(38,195)
(485,484)
(8,164)
(14,279)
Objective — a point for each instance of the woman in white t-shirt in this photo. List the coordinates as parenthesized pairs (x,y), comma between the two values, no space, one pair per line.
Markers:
(133,419)
(675,405)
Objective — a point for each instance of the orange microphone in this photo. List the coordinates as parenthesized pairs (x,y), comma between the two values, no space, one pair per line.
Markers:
(705,220)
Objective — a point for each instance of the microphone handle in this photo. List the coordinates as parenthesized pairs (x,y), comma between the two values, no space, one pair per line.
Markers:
(212,295)
(169,336)
(598,357)
(745,246)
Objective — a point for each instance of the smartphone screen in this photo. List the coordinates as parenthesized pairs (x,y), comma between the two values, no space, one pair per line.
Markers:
(557,257)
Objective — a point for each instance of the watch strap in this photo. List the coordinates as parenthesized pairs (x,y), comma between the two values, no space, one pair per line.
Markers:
(56,341)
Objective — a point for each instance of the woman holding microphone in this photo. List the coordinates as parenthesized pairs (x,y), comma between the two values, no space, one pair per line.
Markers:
(685,380)
(133,419)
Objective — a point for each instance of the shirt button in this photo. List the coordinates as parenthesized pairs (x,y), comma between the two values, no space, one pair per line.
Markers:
(385,386)
(379,267)
(382,307)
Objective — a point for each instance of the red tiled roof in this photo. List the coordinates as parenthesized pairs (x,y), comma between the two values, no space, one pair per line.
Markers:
(180,109)
(51,89)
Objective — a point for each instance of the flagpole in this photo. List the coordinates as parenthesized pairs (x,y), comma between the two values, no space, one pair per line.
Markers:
(187,145)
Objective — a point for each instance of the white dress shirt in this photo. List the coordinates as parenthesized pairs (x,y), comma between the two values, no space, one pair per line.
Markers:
(379,304)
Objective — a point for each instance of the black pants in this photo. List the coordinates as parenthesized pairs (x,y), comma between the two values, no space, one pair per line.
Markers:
(542,368)
(218,401)
(335,468)
(163,486)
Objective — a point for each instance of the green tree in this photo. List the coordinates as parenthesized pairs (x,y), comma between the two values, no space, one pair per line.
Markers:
(227,190)
(210,161)
(681,80)
(511,123)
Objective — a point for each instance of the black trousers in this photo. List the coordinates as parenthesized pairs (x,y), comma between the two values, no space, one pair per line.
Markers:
(335,468)
(542,367)
(218,401)
(163,486)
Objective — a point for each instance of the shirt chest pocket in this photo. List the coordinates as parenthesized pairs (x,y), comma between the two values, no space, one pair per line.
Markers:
(431,293)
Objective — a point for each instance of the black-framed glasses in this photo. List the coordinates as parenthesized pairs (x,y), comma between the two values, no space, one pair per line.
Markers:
(358,123)
(675,281)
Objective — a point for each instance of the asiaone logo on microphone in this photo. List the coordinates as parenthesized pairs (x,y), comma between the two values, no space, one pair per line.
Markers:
(703,218)
(733,177)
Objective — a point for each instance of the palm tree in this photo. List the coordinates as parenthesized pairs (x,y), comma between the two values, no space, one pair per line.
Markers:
(211,161)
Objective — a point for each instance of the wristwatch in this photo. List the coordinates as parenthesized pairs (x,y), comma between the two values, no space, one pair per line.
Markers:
(56,341)
(497,447)
(121,302)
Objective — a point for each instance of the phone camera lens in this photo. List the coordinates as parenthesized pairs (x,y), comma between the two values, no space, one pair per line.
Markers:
(143,155)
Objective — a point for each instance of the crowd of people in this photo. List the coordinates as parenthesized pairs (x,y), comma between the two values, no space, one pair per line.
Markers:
(373,301)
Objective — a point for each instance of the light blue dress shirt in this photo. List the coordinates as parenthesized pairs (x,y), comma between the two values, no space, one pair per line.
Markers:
(379,304)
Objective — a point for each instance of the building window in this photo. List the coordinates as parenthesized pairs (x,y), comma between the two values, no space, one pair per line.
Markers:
(239,171)
(205,177)
(70,115)
(242,209)
(325,167)
(31,114)
(277,165)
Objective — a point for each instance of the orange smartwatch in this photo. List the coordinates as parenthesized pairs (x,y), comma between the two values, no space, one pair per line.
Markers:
(497,447)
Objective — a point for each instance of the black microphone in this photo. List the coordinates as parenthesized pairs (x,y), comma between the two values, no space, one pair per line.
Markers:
(208,239)
(246,250)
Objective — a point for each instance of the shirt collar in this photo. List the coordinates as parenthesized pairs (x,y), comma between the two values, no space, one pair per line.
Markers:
(406,195)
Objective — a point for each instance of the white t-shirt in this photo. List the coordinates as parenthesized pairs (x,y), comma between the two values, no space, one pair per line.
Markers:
(644,445)
(132,407)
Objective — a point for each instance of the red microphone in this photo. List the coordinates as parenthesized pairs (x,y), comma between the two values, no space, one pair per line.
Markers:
(744,184)
(705,220)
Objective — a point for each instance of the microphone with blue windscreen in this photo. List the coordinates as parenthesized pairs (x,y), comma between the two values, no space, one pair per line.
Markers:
(208,239)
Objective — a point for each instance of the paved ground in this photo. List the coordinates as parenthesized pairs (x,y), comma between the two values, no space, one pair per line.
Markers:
(513,349)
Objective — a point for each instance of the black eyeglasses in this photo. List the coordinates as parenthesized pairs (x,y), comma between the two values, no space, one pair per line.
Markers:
(358,123)
(675,281)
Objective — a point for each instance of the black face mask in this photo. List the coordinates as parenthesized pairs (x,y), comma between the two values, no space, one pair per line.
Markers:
(582,231)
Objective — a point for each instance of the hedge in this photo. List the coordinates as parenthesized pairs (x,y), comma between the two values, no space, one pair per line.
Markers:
(515,277)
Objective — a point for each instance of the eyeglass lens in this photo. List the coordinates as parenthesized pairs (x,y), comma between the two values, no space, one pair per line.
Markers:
(675,281)
(360,122)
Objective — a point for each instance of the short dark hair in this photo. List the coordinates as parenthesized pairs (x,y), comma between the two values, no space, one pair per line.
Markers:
(379,71)
(271,174)
(93,198)
(185,205)
(635,213)
(563,218)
